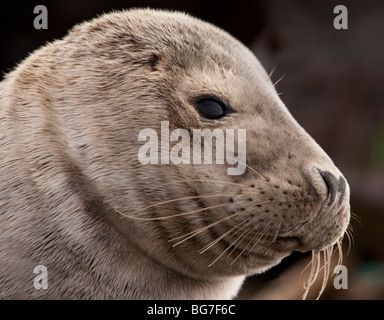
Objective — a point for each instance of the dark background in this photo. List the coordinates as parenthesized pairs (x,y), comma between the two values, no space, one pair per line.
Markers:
(333,85)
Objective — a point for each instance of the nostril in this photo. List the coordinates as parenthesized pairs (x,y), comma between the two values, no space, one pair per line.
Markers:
(331,184)
(334,186)
(342,188)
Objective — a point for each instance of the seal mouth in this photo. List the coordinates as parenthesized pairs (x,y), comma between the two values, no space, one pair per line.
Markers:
(288,243)
(289,239)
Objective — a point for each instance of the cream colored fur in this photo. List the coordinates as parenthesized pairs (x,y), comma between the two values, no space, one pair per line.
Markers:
(70,115)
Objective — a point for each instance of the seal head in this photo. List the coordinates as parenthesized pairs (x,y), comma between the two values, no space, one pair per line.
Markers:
(75,197)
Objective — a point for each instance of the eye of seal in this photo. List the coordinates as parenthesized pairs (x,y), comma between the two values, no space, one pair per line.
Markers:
(211,107)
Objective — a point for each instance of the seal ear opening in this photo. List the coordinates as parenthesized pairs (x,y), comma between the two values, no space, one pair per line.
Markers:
(154,62)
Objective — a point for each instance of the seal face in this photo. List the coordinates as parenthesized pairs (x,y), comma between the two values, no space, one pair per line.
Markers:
(75,198)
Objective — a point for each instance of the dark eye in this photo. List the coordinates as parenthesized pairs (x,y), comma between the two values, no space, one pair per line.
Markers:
(211,108)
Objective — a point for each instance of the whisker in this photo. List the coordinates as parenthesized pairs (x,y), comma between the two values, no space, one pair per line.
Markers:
(281,78)
(357,218)
(200,230)
(241,238)
(177,214)
(224,219)
(340,252)
(271,73)
(328,253)
(245,234)
(211,244)
(350,240)
(195,232)
(310,263)
(315,264)
(209,180)
(238,238)
(350,227)
(326,268)
(255,171)
(183,198)
(258,239)
(277,232)
(261,235)
(315,269)
(326,258)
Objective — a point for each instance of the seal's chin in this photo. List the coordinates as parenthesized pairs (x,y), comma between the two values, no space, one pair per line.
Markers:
(316,237)
(288,243)
(325,230)
(267,266)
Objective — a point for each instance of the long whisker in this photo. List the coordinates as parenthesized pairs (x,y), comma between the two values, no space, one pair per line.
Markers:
(327,262)
(211,244)
(262,233)
(237,239)
(241,238)
(316,269)
(201,229)
(310,263)
(281,78)
(357,218)
(340,252)
(315,264)
(258,239)
(198,231)
(208,180)
(195,232)
(349,235)
(177,214)
(243,235)
(278,229)
(271,73)
(183,198)
(255,171)
(327,255)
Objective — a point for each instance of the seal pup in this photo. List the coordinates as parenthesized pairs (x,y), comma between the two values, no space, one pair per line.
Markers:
(75,199)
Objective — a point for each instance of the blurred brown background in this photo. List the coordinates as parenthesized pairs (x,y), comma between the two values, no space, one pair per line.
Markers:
(333,85)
